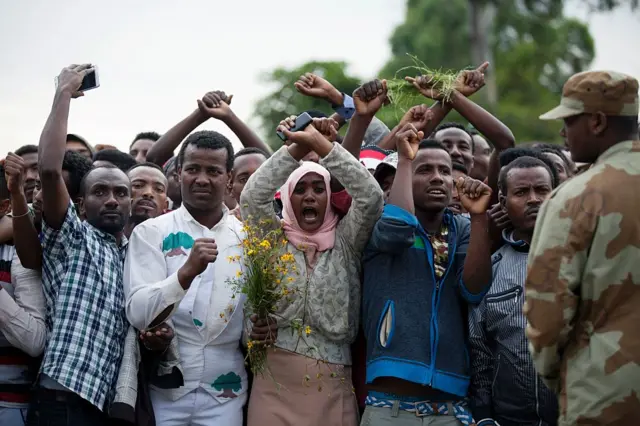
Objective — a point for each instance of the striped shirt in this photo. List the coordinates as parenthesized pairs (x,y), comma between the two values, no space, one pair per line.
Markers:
(82,280)
(504,383)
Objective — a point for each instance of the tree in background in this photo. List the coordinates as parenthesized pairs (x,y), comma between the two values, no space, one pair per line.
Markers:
(532,47)
(285,100)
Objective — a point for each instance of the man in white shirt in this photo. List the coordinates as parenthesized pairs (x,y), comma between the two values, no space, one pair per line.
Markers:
(170,273)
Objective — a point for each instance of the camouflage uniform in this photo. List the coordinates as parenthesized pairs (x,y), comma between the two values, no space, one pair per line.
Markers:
(583,283)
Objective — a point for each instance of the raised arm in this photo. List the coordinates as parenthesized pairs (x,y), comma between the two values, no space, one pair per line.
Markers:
(163,149)
(368,100)
(25,234)
(317,87)
(474,249)
(216,105)
(53,141)
(421,117)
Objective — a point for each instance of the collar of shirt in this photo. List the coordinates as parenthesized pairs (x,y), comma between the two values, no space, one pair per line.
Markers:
(189,218)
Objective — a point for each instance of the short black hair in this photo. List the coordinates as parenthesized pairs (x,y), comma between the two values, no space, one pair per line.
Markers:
(154,136)
(120,159)
(248,151)
(207,139)
(77,165)
(146,164)
(454,125)
(625,123)
(432,144)
(556,149)
(4,189)
(525,162)
(171,162)
(83,182)
(26,149)
(461,168)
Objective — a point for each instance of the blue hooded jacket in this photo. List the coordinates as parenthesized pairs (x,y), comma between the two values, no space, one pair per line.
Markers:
(416,327)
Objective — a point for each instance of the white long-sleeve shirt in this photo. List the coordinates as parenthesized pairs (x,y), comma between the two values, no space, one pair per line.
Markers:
(208,317)
(22,310)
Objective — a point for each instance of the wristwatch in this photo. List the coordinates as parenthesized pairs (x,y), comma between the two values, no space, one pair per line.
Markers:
(347,109)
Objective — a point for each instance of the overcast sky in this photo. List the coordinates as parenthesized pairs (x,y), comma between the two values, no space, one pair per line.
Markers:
(157,57)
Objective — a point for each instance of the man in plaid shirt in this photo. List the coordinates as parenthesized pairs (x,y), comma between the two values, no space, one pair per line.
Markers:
(82,278)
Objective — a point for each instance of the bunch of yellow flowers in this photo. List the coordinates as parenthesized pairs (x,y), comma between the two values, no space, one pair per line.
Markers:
(265,277)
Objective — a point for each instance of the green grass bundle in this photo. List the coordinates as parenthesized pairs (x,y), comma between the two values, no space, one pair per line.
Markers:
(404,95)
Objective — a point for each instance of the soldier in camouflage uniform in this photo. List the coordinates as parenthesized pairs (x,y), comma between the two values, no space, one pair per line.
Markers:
(583,283)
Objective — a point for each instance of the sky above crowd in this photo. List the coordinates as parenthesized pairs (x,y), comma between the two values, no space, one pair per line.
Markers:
(157,58)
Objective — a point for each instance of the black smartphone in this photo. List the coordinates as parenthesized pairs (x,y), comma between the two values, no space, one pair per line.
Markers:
(302,121)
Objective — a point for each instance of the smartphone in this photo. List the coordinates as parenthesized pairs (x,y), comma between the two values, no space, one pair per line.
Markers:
(90,80)
(302,121)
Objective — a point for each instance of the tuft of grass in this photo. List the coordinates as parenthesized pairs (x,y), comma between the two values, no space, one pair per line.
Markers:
(404,95)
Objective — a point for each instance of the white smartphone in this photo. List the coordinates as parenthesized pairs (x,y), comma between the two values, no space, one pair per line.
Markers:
(90,80)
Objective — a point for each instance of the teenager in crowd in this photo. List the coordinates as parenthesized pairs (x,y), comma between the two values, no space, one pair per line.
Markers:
(148,194)
(141,145)
(170,273)
(327,254)
(408,380)
(78,144)
(82,278)
(22,330)
(581,289)
(173,189)
(29,154)
(481,156)
(114,157)
(245,163)
(505,388)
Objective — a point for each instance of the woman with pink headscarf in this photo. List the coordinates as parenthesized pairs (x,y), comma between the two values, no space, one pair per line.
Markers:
(311,375)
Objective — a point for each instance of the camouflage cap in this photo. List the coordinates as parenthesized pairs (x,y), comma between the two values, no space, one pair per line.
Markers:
(609,92)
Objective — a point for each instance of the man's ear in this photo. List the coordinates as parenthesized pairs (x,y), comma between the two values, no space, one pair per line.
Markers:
(79,202)
(5,206)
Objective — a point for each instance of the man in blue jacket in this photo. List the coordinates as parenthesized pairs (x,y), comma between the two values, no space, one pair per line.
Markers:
(423,266)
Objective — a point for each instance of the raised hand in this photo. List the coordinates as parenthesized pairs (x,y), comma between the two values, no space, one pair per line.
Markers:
(313,133)
(418,115)
(370,97)
(470,81)
(499,217)
(474,195)
(407,141)
(317,87)
(14,172)
(216,105)
(70,79)
(424,84)
(286,124)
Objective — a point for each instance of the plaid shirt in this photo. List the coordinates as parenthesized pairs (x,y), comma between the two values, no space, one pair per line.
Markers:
(82,279)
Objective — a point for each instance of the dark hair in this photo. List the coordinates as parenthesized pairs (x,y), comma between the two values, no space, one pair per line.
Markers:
(83,182)
(432,144)
(453,125)
(556,149)
(171,162)
(26,149)
(154,136)
(146,164)
(461,168)
(4,189)
(626,124)
(207,139)
(77,165)
(248,151)
(120,159)
(75,138)
(525,162)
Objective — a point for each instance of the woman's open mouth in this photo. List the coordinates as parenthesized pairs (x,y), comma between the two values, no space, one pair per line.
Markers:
(309,214)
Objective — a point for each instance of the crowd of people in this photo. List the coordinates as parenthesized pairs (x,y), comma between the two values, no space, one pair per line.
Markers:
(447,276)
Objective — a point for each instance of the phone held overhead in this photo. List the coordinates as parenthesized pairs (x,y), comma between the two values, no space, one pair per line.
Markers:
(90,80)
(302,121)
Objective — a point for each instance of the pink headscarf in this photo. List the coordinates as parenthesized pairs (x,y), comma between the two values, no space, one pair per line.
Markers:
(322,239)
